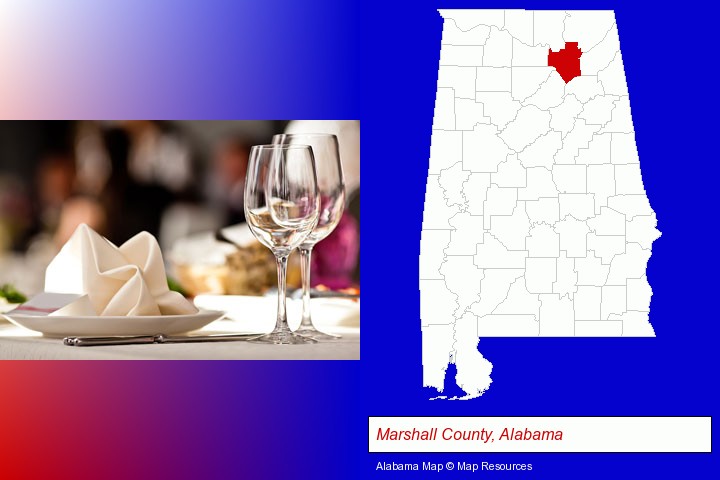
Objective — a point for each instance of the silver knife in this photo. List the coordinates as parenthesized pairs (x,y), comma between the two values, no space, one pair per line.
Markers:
(159,338)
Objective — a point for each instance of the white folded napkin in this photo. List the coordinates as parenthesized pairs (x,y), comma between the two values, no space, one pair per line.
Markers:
(115,281)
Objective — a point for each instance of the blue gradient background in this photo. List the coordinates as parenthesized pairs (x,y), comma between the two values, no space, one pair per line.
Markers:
(376,61)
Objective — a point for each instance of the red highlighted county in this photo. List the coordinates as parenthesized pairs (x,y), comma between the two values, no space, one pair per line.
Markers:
(566,61)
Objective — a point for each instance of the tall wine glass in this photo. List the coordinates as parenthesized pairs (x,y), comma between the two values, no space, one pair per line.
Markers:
(331,187)
(282,208)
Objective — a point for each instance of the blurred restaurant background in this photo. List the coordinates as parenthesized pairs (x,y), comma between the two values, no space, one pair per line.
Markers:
(182,181)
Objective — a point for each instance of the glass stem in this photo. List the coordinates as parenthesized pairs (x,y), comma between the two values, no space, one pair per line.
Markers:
(305,256)
(282,324)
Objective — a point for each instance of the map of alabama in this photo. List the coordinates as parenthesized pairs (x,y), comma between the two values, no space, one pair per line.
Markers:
(536,220)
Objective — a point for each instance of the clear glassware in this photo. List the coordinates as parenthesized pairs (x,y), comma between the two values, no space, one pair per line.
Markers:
(331,187)
(282,209)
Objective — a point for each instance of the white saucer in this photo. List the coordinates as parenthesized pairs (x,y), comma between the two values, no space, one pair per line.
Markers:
(259,313)
(57,326)
(6,307)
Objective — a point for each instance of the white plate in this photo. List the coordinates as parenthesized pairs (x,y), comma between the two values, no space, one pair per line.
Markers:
(6,307)
(259,313)
(108,326)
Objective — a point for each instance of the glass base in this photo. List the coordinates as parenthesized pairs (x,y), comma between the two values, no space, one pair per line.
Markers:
(282,338)
(314,333)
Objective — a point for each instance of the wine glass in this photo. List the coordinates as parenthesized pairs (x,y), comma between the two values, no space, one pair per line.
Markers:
(281,208)
(331,187)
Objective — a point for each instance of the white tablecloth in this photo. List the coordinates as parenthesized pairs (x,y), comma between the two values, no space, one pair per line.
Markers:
(20,344)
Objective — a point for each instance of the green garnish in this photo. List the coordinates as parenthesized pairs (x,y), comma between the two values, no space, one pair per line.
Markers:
(175,286)
(9,293)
